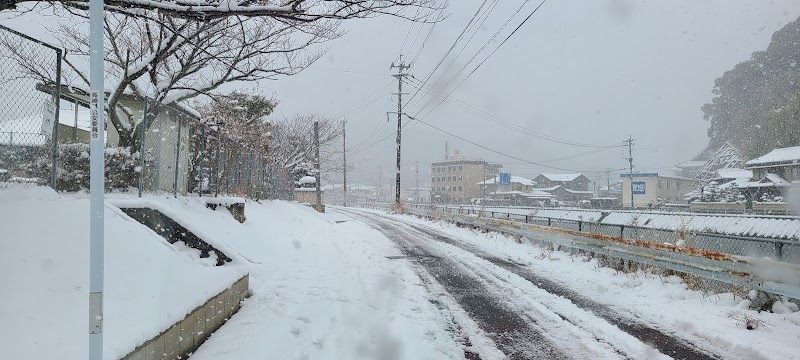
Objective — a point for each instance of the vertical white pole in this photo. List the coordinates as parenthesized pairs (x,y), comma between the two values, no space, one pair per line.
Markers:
(97,180)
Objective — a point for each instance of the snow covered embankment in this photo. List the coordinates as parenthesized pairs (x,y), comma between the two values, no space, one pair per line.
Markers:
(148,284)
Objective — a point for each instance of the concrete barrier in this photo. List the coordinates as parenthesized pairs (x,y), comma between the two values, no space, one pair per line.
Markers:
(185,336)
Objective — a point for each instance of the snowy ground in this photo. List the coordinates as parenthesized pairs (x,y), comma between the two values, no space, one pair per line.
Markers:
(150,284)
(711,321)
(325,289)
(327,286)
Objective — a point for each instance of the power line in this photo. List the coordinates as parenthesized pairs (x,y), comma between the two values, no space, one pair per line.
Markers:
(347,71)
(455,42)
(464,106)
(495,151)
(487,58)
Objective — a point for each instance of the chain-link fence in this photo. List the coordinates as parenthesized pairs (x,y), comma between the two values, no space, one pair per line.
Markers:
(183,154)
(30,82)
(174,150)
(787,250)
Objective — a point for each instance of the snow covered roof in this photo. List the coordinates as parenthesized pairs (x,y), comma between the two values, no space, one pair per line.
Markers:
(538,194)
(29,128)
(350,187)
(307,180)
(561,177)
(691,164)
(514,180)
(776,179)
(776,156)
(548,189)
(583,192)
(734,173)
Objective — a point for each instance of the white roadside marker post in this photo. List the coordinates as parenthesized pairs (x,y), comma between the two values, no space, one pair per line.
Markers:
(96,179)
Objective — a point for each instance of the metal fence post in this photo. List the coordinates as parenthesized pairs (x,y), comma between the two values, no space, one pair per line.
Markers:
(143,146)
(779,251)
(177,158)
(57,101)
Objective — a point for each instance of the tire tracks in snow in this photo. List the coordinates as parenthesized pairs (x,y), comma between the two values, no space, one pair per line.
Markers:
(516,336)
(664,342)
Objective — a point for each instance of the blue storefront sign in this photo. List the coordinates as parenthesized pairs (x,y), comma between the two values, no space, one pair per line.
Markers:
(505,179)
(638,188)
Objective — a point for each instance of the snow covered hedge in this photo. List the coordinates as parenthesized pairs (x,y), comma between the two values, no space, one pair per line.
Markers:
(73,170)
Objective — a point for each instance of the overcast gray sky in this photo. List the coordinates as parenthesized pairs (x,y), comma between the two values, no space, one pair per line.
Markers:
(584,71)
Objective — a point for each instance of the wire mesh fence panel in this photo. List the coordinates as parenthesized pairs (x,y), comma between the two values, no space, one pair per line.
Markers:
(791,253)
(29,127)
(735,246)
(565,224)
(165,149)
(538,221)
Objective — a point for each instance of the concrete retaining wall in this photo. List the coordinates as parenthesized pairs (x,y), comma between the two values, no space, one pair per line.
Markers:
(185,336)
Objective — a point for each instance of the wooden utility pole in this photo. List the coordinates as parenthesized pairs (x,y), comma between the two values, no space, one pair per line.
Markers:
(401,67)
(344,161)
(319,171)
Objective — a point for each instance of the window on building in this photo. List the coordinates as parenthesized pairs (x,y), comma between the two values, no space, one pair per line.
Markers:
(667,184)
(678,185)
(659,183)
(460,188)
(460,168)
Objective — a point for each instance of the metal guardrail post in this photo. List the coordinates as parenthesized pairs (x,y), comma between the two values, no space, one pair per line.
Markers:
(526,219)
(549,222)
(622,231)
(580,225)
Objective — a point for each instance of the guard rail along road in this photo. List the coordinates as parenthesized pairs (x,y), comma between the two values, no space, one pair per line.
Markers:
(771,265)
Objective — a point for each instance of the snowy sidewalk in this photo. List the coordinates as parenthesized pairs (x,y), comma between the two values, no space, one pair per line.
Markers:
(325,289)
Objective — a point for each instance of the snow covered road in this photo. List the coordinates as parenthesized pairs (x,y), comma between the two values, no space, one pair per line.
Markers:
(570,323)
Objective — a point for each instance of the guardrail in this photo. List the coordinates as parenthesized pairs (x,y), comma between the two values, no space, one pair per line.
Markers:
(777,249)
(623,242)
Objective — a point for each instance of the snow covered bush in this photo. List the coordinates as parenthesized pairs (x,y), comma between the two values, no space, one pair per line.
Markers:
(73,169)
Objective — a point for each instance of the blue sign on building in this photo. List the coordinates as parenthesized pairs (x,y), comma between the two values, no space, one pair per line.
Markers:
(505,179)
(638,187)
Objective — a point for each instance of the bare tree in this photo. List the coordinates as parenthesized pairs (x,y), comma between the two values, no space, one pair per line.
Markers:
(293,143)
(291,11)
(171,60)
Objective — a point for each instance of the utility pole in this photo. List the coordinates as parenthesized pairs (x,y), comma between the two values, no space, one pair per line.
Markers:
(608,182)
(416,193)
(344,161)
(380,183)
(319,171)
(629,142)
(401,67)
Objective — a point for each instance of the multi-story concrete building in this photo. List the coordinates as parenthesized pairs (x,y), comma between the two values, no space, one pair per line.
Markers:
(456,179)
(650,189)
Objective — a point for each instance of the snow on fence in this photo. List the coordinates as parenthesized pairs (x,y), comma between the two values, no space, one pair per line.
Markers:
(751,236)
(186,335)
(783,227)
(28,133)
(635,244)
